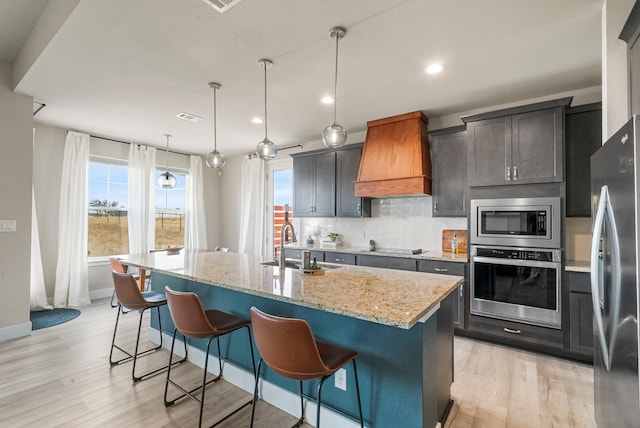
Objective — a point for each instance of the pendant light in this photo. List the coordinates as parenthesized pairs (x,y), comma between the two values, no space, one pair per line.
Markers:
(215,159)
(335,135)
(266,149)
(167,180)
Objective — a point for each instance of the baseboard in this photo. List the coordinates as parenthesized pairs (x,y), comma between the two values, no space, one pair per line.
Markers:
(15,331)
(100,294)
(272,394)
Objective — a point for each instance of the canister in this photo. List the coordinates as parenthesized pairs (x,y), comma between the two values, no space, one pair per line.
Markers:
(306,259)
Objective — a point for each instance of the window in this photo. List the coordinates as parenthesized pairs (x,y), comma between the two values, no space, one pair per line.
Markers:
(108,196)
(280,195)
(107,211)
(170,211)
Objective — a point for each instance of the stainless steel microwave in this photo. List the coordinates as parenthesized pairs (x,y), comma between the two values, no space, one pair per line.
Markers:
(518,222)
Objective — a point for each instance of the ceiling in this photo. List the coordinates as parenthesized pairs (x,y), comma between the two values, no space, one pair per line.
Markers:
(123,69)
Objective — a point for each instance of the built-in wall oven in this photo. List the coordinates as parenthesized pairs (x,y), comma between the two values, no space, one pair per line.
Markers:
(517,284)
(516,260)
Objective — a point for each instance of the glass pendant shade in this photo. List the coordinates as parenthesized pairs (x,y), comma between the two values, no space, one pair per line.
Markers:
(334,135)
(267,149)
(166,180)
(215,159)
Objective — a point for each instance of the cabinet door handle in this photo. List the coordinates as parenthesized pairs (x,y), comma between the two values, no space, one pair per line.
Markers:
(508,173)
(441,270)
(359,208)
(435,207)
(339,260)
(515,173)
(509,330)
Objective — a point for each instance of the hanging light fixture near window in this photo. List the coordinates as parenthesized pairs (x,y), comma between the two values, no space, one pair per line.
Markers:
(266,149)
(335,135)
(215,159)
(167,180)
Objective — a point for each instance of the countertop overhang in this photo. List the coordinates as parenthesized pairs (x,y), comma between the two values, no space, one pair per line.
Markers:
(390,297)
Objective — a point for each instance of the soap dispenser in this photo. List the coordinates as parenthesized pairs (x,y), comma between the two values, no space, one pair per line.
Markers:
(454,244)
(309,241)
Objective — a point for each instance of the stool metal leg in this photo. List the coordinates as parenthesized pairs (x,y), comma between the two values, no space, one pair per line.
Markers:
(255,393)
(355,373)
(319,400)
(301,420)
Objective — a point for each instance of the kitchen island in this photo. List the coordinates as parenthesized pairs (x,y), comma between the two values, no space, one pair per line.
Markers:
(398,322)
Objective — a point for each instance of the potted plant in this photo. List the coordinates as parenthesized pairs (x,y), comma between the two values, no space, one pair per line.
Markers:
(333,236)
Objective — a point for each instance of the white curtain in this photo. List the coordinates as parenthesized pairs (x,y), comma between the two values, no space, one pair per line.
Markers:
(195,225)
(252,207)
(142,199)
(38,290)
(72,285)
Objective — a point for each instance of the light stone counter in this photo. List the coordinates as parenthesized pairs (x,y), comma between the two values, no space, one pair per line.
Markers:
(389,297)
(578,266)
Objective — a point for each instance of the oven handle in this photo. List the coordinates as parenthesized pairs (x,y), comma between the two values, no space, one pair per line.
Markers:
(516,262)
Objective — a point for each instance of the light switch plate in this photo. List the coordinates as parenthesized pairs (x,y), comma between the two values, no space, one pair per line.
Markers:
(7,225)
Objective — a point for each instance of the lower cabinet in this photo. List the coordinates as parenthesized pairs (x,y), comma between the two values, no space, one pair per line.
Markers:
(386,262)
(580,314)
(451,268)
(296,254)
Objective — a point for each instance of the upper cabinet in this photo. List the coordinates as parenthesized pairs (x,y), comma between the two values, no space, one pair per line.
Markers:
(323,183)
(314,185)
(347,165)
(449,165)
(583,138)
(521,145)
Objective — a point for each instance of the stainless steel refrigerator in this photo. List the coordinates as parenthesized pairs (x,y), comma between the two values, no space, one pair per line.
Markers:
(615,187)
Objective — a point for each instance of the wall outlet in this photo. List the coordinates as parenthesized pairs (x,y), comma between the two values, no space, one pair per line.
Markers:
(7,225)
(341,379)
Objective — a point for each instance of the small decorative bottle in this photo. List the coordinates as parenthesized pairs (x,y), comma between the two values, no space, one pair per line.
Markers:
(454,245)
(309,241)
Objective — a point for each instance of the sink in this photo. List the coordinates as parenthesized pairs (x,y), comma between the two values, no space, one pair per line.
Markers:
(290,265)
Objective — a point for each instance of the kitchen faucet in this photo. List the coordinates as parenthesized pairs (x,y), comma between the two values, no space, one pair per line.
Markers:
(283,235)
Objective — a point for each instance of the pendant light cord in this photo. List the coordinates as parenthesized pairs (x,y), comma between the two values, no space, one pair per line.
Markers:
(335,83)
(215,138)
(265,99)
(167,135)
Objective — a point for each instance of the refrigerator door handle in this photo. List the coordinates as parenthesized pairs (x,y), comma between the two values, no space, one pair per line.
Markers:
(604,214)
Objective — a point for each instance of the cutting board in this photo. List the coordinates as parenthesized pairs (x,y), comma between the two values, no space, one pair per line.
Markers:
(447,236)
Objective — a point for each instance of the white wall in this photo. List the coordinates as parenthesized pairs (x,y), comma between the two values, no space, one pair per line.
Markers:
(615,80)
(16,142)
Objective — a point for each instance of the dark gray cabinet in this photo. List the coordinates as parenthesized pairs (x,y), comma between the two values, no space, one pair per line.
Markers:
(323,183)
(342,258)
(450,268)
(314,185)
(386,262)
(296,254)
(449,165)
(583,136)
(580,313)
(347,165)
(521,145)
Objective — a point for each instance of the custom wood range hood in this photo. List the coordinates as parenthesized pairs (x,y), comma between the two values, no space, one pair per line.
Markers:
(395,159)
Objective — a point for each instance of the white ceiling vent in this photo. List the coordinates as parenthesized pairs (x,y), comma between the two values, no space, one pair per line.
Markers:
(222,5)
(188,116)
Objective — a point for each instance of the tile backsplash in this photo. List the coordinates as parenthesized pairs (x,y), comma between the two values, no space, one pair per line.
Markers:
(402,223)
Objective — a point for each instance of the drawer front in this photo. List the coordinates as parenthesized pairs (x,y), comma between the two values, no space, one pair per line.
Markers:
(344,258)
(514,333)
(387,262)
(441,267)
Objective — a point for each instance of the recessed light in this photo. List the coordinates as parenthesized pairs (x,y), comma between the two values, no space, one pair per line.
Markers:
(256,120)
(327,100)
(433,69)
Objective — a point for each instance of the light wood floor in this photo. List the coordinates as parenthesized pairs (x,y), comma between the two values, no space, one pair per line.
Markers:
(60,377)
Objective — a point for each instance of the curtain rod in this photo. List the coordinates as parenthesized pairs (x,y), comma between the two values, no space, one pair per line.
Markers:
(124,142)
(254,154)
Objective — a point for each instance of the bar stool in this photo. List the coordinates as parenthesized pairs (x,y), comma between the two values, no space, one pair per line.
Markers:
(288,347)
(192,321)
(130,299)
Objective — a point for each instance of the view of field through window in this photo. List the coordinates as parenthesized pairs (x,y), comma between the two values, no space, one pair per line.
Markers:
(107,211)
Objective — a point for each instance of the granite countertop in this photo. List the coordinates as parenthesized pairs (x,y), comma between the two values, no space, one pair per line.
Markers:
(390,297)
(425,255)
(577,266)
